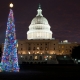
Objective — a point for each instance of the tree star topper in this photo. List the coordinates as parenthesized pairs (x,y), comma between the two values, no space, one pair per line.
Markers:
(11,5)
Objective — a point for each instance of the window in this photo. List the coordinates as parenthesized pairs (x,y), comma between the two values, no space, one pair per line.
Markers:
(41,53)
(30,57)
(29,53)
(26,57)
(40,57)
(34,48)
(41,48)
(35,57)
(46,48)
(70,50)
(21,48)
(70,47)
(62,51)
(33,52)
(37,52)
(29,44)
(50,57)
(38,48)
(21,56)
(46,44)
(29,48)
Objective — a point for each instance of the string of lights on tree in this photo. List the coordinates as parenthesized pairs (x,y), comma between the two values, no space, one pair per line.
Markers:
(9,60)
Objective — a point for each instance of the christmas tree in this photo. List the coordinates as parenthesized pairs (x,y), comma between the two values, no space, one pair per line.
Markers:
(9,57)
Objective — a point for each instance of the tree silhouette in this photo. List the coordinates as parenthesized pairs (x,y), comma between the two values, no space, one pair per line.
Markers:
(76,52)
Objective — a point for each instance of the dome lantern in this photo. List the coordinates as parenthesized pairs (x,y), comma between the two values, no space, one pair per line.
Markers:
(39,6)
(39,11)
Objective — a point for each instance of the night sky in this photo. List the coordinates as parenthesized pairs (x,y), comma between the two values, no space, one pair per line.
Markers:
(62,15)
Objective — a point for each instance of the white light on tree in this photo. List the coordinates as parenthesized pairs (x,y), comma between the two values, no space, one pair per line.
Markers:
(11,5)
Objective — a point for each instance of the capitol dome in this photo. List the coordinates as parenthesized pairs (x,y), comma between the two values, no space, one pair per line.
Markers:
(39,27)
(39,20)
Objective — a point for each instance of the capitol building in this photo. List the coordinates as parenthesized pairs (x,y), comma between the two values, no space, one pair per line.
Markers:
(39,45)
(39,27)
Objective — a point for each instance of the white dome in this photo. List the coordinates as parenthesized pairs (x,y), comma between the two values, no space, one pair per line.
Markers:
(39,20)
(39,27)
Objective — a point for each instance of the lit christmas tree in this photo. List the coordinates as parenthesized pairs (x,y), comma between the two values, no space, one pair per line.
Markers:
(9,60)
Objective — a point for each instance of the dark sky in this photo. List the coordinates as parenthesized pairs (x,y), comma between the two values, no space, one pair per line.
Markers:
(62,15)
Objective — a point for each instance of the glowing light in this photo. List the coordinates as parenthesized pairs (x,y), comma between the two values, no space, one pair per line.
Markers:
(41,53)
(29,52)
(11,5)
(79,61)
(38,48)
(17,45)
(38,52)
(45,59)
(36,57)
(75,59)
(21,56)
(47,56)
(64,56)
(65,41)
